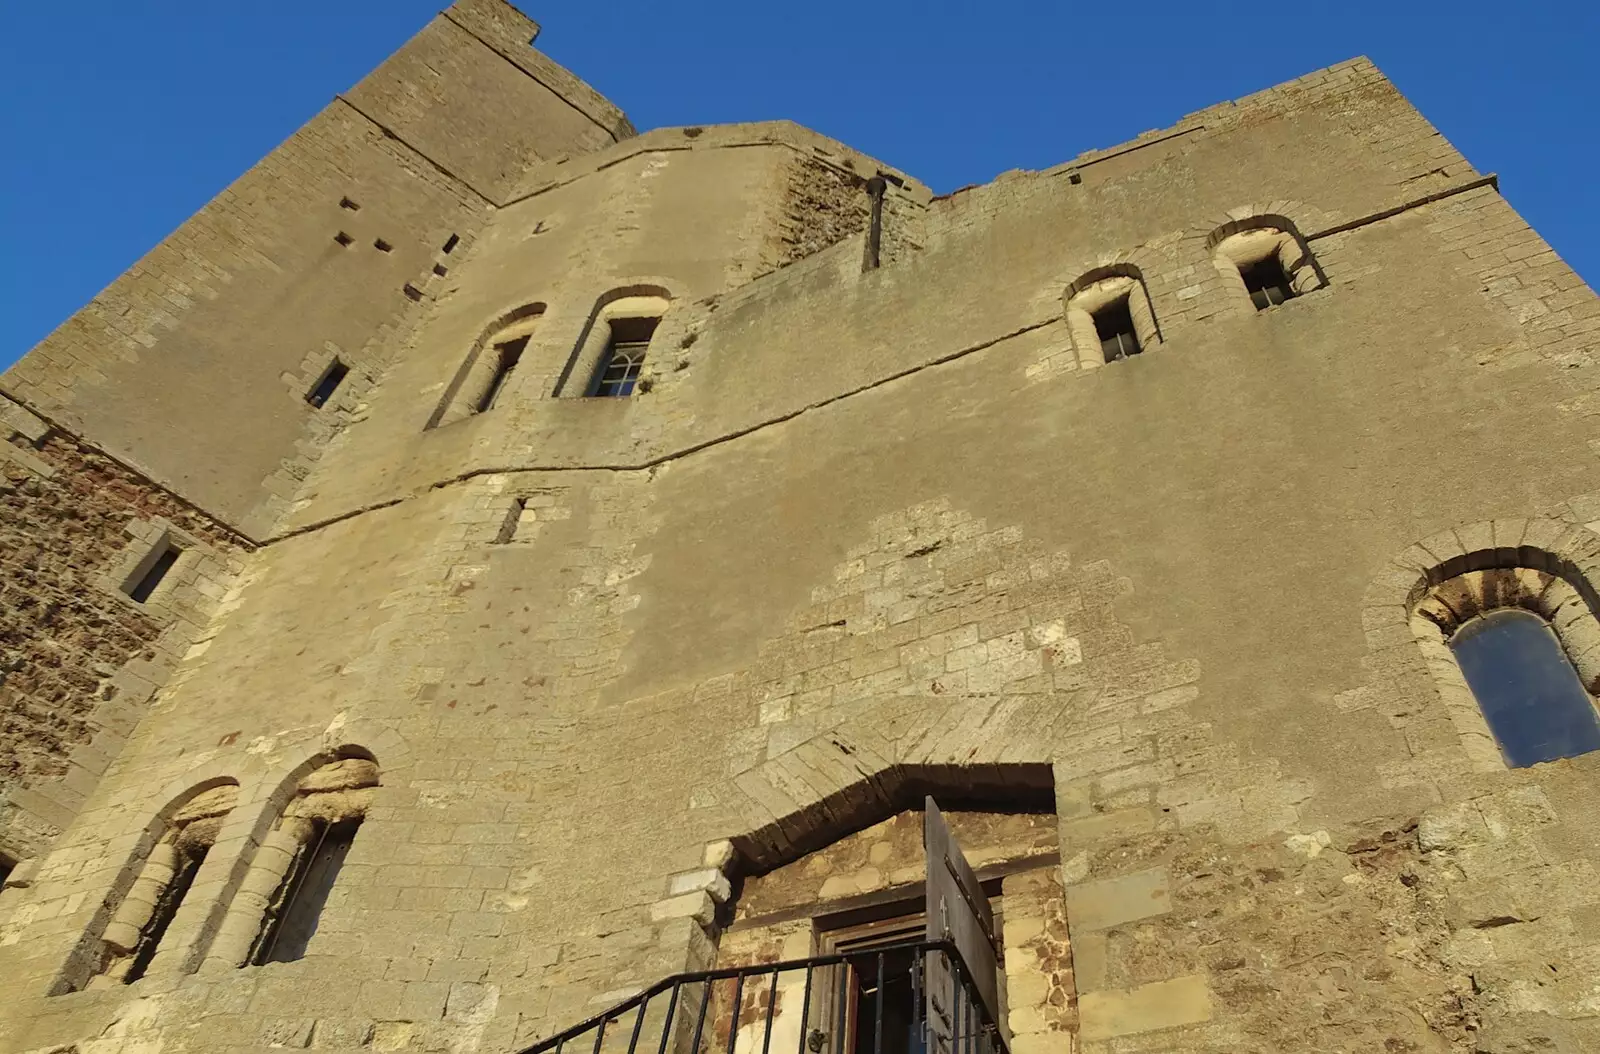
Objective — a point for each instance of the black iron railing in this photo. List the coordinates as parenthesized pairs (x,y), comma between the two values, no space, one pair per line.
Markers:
(868,1001)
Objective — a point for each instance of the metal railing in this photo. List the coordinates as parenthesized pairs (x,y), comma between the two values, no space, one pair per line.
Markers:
(868,1001)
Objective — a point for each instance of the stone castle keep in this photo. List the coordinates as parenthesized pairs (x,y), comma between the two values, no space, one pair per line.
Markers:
(489,562)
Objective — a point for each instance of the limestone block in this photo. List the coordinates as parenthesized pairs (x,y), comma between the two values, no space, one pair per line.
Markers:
(710,879)
(1452,827)
(1089,961)
(1113,901)
(1161,1004)
(18,421)
(697,905)
(23,874)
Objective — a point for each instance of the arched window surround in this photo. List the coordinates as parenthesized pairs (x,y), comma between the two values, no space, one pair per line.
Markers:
(480,380)
(1461,588)
(1095,291)
(1239,244)
(287,826)
(120,944)
(639,300)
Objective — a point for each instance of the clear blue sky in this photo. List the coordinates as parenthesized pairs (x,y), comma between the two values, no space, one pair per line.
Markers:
(123,118)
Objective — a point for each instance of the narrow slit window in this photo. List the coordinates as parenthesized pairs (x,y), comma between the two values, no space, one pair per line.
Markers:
(1113,324)
(144,583)
(1267,282)
(507,356)
(450,243)
(508,528)
(166,910)
(297,906)
(624,357)
(1530,695)
(329,383)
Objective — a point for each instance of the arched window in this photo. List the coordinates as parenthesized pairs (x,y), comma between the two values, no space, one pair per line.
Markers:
(1109,315)
(280,902)
(1266,260)
(131,939)
(609,359)
(482,378)
(1529,692)
(1526,643)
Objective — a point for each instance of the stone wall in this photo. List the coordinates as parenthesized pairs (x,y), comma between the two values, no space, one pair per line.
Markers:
(321,251)
(875,535)
(824,206)
(81,660)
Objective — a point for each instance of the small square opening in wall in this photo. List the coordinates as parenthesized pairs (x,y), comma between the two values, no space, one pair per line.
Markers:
(1267,282)
(343,239)
(327,384)
(152,571)
(382,246)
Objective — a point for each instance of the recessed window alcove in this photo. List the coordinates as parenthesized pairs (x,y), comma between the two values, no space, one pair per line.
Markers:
(1516,652)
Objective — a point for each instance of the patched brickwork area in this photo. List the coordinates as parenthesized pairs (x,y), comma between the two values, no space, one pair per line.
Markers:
(81,657)
(493,576)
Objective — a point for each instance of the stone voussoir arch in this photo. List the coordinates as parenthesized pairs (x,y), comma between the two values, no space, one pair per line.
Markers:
(581,362)
(134,848)
(1423,593)
(235,919)
(1304,219)
(864,789)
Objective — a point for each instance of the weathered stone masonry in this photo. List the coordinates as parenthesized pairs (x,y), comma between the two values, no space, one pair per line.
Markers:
(623,687)
(81,659)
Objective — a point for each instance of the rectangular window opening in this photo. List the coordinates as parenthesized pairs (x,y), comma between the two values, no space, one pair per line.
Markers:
(507,356)
(1113,324)
(1267,282)
(450,243)
(624,358)
(166,910)
(145,581)
(297,906)
(343,239)
(346,203)
(329,383)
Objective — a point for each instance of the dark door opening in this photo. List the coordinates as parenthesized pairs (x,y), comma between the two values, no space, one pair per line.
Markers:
(880,988)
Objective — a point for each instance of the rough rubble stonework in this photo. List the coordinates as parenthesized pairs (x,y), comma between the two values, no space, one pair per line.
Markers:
(639,686)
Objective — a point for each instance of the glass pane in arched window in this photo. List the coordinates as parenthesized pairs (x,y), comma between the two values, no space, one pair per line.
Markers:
(1529,693)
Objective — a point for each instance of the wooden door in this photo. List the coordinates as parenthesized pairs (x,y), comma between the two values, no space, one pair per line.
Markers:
(957,911)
